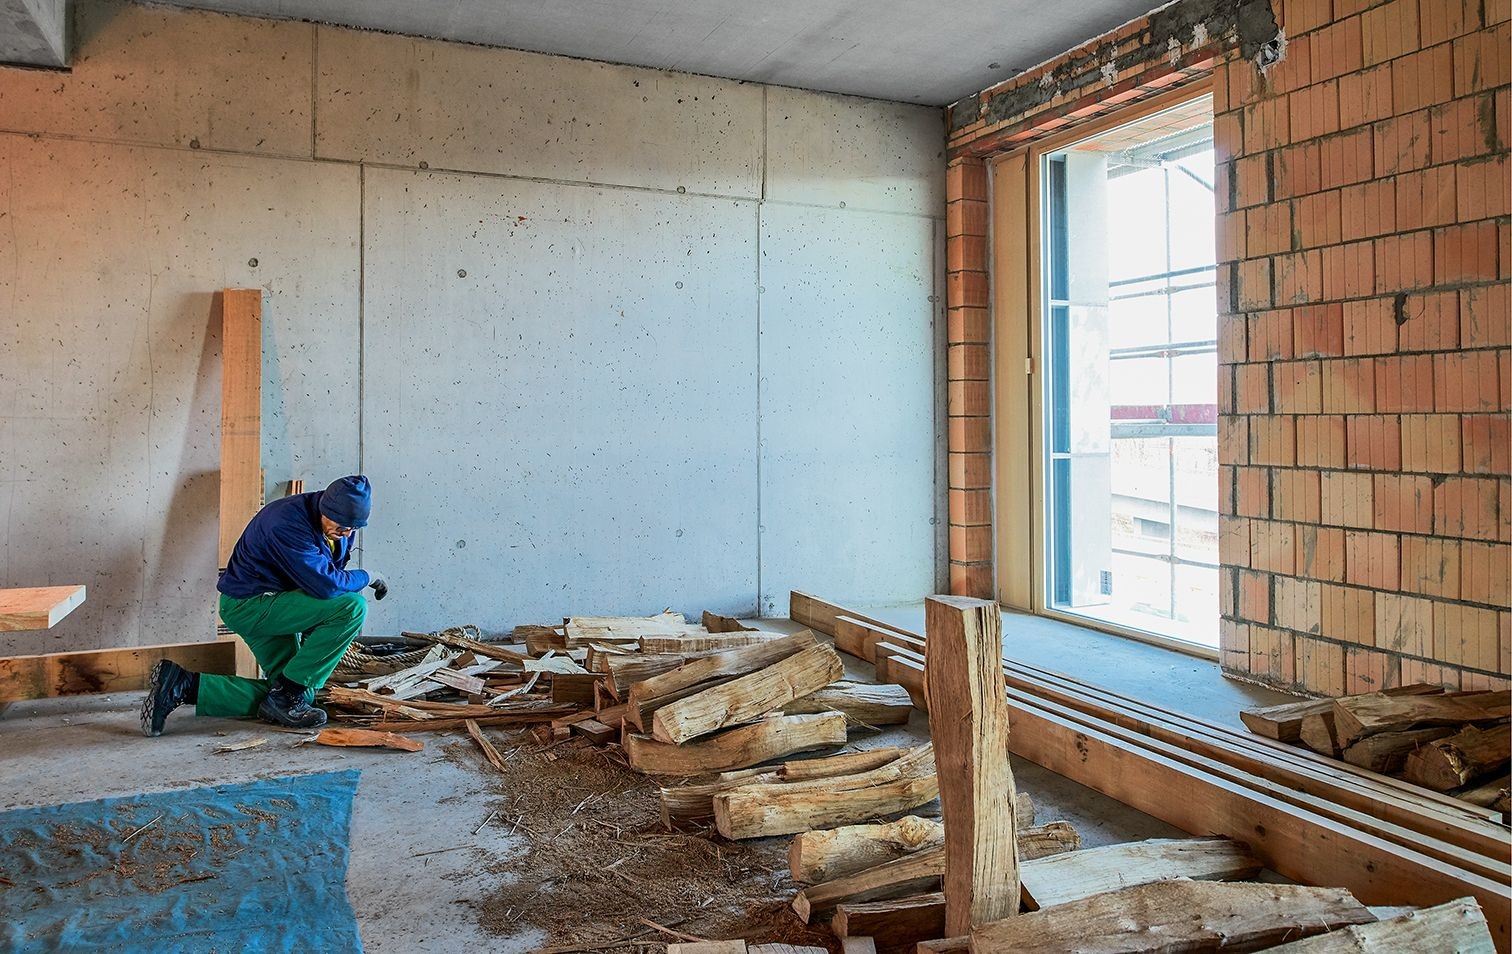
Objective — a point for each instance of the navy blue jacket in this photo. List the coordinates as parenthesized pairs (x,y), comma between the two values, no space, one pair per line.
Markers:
(283,549)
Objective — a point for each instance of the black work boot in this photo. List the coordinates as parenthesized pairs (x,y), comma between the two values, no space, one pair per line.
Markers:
(168,686)
(286,705)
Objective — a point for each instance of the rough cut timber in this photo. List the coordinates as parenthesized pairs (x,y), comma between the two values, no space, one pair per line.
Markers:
(37,607)
(1356,717)
(864,704)
(747,697)
(1461,758)
(241,486)
(917,873)
(816,856)
(1186,916)
(756,811)
(365,738)
(1284,722)
(736,748)
(1457,926)
(895,924)
(1389,750)
(1081,874)
(105,670)
(968,722)
(648,696)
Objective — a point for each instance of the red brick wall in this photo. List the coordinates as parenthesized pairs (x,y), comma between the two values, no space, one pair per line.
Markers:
(1364,325)
(1363,446)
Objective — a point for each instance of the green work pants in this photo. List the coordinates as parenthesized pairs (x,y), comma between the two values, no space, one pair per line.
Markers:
(292,634)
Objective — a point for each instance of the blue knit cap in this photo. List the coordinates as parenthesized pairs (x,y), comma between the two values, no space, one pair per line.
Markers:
(348,501)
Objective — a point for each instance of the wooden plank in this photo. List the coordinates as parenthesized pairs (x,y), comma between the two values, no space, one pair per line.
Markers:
(104,670)
(241,486)
(968,722)
(1188,916)
(747,697)
(1284,722)
(1456,926)
(651,694)
(37,607)
(1081,874)
(1358,716)
(736,748)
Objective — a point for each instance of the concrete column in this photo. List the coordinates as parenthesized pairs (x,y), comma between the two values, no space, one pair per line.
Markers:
(34,32)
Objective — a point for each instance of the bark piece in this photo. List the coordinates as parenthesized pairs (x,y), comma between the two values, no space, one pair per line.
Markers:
(864,704)
(1188,916)
(1461,758)
(748,697)
(968,721)
(366,738)
(1387,752)
(737,748)
(651,694)
(1356,717)
(1457,926)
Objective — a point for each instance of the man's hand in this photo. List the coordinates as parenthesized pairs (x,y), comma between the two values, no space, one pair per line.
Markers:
(376,581)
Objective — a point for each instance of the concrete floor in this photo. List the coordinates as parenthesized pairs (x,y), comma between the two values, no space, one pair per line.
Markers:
(407,805)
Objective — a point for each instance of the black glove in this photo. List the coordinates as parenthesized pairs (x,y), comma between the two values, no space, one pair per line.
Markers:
(376,581)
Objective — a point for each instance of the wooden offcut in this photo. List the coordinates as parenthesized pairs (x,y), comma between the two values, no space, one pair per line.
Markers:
(1387,751)
(1188,916)
(475,732)
(366,738)
(1356,717)
(1461,758)
(1080,874)
(1319,734)
(917,873)
(747,697)
(892,924)
(241,487)
(1456,926)
(105,670)
(37,607)
(738,747)
(700,674)
(968,722)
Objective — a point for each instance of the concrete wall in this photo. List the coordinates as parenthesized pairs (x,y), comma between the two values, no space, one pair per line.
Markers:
(606,339)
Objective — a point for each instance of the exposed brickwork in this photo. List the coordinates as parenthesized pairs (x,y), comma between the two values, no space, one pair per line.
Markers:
(1364,299)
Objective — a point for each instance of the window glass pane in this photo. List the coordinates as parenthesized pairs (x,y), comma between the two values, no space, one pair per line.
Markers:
(1131,376)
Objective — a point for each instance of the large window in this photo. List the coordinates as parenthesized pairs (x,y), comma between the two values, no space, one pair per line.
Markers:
(1130,376)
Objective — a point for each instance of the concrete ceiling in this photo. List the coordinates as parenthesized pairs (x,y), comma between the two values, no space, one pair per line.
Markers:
(919,51)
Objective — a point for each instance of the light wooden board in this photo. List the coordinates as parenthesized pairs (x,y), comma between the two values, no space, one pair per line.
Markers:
(103,670)
(37,607)
(241,490)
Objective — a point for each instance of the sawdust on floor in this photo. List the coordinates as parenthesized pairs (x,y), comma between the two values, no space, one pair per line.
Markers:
(599,859)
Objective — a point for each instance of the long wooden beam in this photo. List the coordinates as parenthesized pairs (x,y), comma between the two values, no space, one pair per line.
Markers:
(241,488)
(103,670)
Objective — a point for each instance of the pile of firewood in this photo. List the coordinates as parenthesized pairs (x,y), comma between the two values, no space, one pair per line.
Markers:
(1456,742)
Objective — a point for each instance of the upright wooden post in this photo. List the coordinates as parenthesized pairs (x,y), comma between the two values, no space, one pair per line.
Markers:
(968,720)
(241,490)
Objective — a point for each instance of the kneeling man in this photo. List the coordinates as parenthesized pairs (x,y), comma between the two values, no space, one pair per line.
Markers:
(287,593)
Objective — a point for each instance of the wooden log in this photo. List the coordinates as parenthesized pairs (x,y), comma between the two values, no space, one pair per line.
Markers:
(917,873)
(366,738)
(747,697)
(800,770)
(37,607)
(756,811)
(1284,722)
(1188,916)
(651,694)
(489,752)
(1081,874)
(1456,926)
(968,721)
(736,748)
(1356,717)
(817,856)
(627,669)
(1318,733)
(105,670)
(1461,758)
(684,806)
(1387,751)
(892,924)
(1486,793)
(864,704)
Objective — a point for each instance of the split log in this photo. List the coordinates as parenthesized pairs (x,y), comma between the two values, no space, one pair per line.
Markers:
(1356,717)
(756,811)
(736,748)
(1188,916)
(917,873)
(627,669)
(817,856)
(1458,926)
(1387,752)
(1319,734)
(687,805)
(487,747)
(1284,722)
(850,763)
(863,704)
(1488,793)
(747,697)
(1081,874)
(1461,758)
(651,694)
(894,923)
(364,738)
(968,721)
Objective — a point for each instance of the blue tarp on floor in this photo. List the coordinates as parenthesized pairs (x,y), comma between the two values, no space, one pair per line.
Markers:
(241,869)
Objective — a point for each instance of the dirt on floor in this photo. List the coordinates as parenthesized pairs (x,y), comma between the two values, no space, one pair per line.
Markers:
(602,873)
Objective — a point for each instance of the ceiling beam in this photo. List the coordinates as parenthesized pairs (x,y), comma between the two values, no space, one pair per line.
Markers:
(34,32)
